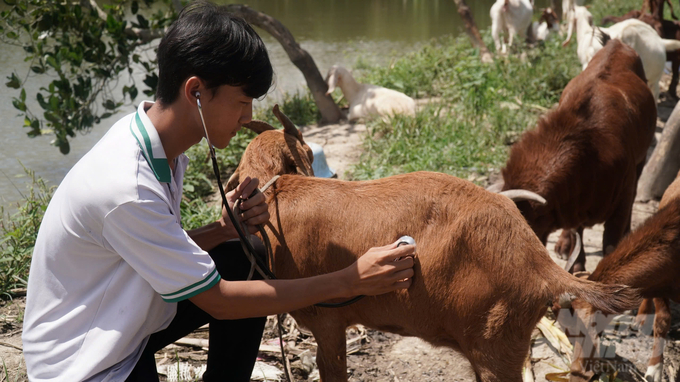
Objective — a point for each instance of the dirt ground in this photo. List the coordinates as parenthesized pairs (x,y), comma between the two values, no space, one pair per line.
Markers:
(374,355)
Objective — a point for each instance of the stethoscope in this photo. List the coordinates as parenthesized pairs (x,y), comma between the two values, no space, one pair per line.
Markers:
(260,266)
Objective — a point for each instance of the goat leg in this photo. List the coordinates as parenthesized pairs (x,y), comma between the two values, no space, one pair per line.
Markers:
(644,312)
(662,323)
(565,245)
(331,355)
(618,224)
(674,57)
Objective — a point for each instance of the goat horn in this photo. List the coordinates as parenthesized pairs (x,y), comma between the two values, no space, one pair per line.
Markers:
(520,195)
(288,125)
(574,252)
(258,126)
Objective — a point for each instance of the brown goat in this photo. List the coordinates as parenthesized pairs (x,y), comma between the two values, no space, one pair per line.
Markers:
(648,259)
(482,278)
(586,156)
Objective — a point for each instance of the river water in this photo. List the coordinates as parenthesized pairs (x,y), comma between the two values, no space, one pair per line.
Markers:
(332,31)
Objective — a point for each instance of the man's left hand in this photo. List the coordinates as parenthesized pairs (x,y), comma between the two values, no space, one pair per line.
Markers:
(254,209)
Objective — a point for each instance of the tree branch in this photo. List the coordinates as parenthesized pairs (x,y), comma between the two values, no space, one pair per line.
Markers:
(92,4)
(330,112)
(145,35)
(472,31)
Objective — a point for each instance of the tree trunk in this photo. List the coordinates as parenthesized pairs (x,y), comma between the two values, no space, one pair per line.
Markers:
(472,31)
(556,6)
(330,112)
(664,163)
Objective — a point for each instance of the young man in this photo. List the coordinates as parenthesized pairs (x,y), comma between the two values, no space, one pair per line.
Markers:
(114,277)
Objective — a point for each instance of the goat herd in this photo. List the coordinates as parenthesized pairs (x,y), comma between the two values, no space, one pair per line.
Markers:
(483,276)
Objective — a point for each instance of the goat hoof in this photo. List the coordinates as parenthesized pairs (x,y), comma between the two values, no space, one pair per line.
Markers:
(654,373)
(639,321)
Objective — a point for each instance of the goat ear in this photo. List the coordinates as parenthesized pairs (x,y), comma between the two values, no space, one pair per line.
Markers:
(288,125)
(259,126)
(496,187)
(233,181)
(331,80)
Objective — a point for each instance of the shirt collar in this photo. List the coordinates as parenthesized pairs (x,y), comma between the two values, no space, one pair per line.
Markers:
(150,143)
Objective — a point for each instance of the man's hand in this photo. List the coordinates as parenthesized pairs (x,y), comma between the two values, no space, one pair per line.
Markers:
(254,210)
(381,270)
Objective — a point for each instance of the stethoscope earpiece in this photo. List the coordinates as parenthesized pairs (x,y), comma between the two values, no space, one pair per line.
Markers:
(205,129)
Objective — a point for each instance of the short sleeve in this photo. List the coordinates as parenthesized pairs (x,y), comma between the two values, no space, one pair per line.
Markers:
(150,239)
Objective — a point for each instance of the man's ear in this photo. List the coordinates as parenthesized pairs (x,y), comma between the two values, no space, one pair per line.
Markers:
(193,88)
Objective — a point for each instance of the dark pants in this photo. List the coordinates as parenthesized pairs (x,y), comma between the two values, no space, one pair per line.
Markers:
(234,344)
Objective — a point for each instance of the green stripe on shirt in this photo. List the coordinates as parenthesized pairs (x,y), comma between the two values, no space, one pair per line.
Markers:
(201,286)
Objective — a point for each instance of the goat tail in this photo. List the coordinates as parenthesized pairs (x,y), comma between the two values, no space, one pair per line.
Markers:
(609,298)
(671,45)
(603,37)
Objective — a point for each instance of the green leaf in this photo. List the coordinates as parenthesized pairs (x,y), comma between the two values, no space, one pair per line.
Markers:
(23,95)
(41,101)
(134,7)
(109,104)
(111,23)
(144,23)
(53,62)
(151,80)
(38,69)
(54,103)
(45,22)
(64,146)
(10,2)
(52,118)
(14,81)
(133,92)
(18,104)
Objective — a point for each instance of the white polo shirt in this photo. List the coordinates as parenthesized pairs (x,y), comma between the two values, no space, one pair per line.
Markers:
(111,259)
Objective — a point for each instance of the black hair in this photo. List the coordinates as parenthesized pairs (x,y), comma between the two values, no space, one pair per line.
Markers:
(209,42)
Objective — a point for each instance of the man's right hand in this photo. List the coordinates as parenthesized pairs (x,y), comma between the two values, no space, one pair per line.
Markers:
(381,270)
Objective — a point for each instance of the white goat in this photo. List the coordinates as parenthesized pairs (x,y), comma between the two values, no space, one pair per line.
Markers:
(367,100)
(568,5)
(511,16)
(638,35)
